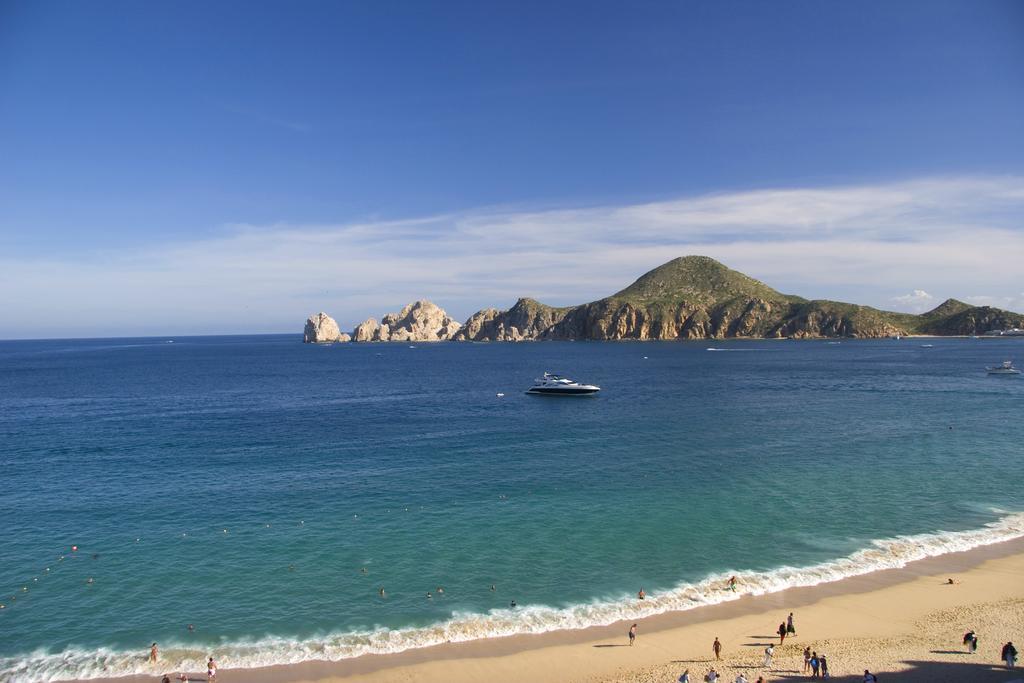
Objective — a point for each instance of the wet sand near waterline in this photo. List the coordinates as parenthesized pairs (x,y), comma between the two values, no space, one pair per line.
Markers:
(902,622)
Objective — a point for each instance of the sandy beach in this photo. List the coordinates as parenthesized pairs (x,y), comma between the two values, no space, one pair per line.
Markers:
(903,624)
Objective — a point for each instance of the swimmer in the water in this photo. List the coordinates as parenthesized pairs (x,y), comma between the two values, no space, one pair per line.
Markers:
(512,604)
(191,628)
(641,594)
(381,591)
(440,589)
(363,570)
(492,586)
(429,595)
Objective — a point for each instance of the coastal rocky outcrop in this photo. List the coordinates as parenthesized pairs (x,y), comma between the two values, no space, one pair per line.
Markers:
(419,321)
(693,297)
(527,320)
(322,329)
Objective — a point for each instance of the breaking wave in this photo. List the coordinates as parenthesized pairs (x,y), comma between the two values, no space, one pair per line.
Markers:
(889,553)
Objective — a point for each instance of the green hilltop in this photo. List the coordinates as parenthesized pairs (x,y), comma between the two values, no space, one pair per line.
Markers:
(696,297)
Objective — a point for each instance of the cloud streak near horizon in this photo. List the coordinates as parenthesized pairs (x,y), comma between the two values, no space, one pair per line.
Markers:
(871,244)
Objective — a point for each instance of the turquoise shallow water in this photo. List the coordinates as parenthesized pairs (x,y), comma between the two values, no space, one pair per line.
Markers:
(243,484)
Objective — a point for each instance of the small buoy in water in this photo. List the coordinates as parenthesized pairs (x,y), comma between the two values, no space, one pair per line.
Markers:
(137,540)
(24,589)
(645,357)
(74,548)
(47,569)
(89,580)
(35,579)
(225,531)
(500,394)
(2,606)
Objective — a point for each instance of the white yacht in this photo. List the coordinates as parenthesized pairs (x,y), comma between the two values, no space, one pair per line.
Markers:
(1005,369)
(553,385)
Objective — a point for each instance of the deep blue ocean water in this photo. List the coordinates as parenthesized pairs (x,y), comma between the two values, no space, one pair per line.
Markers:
(263,490)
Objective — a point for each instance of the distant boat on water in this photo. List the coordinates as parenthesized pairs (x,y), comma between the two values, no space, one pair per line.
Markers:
(553,385)
(1005,369)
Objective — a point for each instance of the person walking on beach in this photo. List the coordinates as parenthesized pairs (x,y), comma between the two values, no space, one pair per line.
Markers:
(790,629)
(807,659)
(211,670)
(632,634)
(768,652)
(685,678)
(870,677)
(732,584)
(971,641)
(824,665)
(717,647)
(782,633)
(711,676)
(1009,655)
(153,652)
(815,665)
(740,678)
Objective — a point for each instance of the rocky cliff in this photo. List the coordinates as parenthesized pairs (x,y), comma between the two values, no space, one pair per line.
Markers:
(527,320)
(321,328)
(419,321)
(693,297)
(971,320)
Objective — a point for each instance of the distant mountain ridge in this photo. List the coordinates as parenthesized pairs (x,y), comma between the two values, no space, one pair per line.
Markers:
(696,297)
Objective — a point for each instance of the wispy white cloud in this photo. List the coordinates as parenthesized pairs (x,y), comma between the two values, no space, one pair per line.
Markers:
(867,244)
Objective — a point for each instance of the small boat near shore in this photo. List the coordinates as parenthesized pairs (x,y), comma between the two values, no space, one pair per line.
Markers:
(553,385)
(1005,369)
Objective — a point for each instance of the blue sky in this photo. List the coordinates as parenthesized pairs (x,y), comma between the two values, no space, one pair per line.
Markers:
(177,153)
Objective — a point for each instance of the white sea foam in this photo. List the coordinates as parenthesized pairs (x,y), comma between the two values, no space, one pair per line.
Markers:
(891,553)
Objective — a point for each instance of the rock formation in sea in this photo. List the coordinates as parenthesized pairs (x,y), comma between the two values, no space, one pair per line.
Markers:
(419,321)
(692,297)
(696,297)
(527,320)
(321,328)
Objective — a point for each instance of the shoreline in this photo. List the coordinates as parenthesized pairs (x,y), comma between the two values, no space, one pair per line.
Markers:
(570,654)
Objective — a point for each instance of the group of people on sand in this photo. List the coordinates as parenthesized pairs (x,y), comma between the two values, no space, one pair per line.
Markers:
(211,666)
(816,664)
(1008,654)
(712,676)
